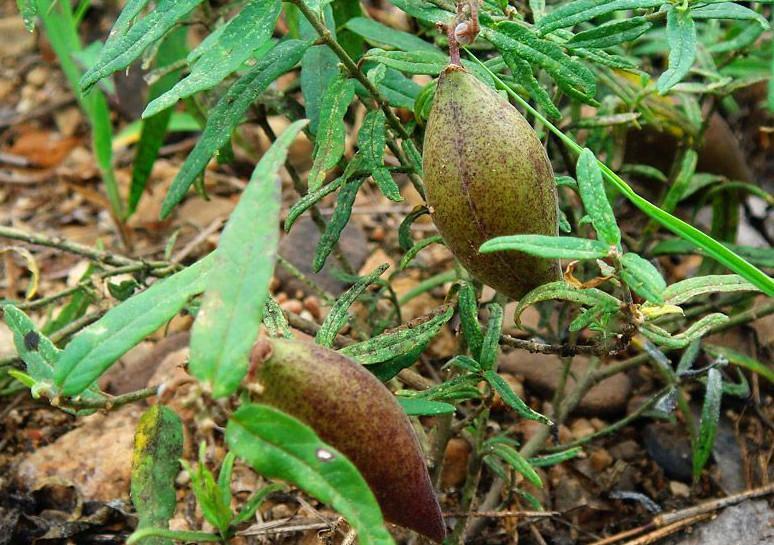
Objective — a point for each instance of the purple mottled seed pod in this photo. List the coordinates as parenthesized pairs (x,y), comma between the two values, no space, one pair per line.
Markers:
(354,412)
(487,175)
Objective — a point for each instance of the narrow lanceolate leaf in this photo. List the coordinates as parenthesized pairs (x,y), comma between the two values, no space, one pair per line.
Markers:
(681,37)
(611,33)
(572,13)
(561,290)
(468,308)
(227,114)
(710,414)
(642,277)
(278,446)
(339,315)
(329,142)
(339,219)
(697,330)
(513,400)
(409,62)
(35,349)
(380,35)
(154,128)
(424,407)
(575,79)
(395,343)
(549,246)
(557,458)
(223,52)
(741,360)
(682,181)
(680,292)
(729,10)
(522,73)
(370,141)
(418,247)
(227,323)
(98,346)
(595,201)
(158,444)
(274,320)
(310,199)
(512,457)
(127,41)
(28,10)
(490,346)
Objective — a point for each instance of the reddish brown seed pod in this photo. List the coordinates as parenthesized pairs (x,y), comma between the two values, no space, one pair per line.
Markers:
(353,411)
(487,175)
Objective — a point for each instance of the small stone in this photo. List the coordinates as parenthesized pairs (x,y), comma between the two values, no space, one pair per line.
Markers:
(38,76)
(600,460)
(679,489)
(294,305)
(68,120)
(565,435)
(626,450)
(377,235)
(598,424)
(455,463)
(670,449)
(581,428)
(312,304)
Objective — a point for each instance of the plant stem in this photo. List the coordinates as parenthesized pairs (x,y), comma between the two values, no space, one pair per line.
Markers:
(108,403)
(471,482)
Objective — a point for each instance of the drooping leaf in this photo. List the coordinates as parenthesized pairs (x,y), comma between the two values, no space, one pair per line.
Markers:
(338,222)
(578,11)
(277,445)
(131,36)
(395,343)
(227,323)
(223,52)
(371,141)
(563,291)
(548,246)
(708,427)
(511,399)
(92,351)
(642,277)
(592,191)
(329,142)
(227,114)
(158,444)
(681,37)
(338,315)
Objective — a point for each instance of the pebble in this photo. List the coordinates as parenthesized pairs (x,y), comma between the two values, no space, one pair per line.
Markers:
(38,76)
(581,428)
(312,304)
(293,305)
(679,489)
(600,460)
(668,446)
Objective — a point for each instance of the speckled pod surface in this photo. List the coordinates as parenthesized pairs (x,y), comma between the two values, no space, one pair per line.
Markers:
(487,175)
(353,411)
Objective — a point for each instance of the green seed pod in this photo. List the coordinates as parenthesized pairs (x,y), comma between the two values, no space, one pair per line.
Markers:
(487,175)
(353,411)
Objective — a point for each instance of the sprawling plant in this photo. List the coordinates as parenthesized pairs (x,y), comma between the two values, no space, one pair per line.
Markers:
(579,71)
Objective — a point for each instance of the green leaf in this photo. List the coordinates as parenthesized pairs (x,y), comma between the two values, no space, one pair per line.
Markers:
(310,199)
(490,346)
(382,36)
(223,52)
(274,320)
(130,36)
(512,457)
(371,140)
(557,458)
(397,342)
(329,141)
(418,247)
(681,340)
(682,181)
(592,191)
(710,414)
(318,67)
(547,246)
(28,10)
(563,291)
(410,62)
(35,349)
(578,11)
(762,257)
(92,351)
(338,222)
(680,292)
(611,33)
(338,314)
(227,114)
(468,308)
(512,399)
(681,37)
(642,277)
(741,360)
(522,73)
(158,444)
(422,407)
(575,79)
(208,494)
(278,446)
(176,535)
(455,389)
(728,10)
(154,129)
(688,358)
(227,323)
